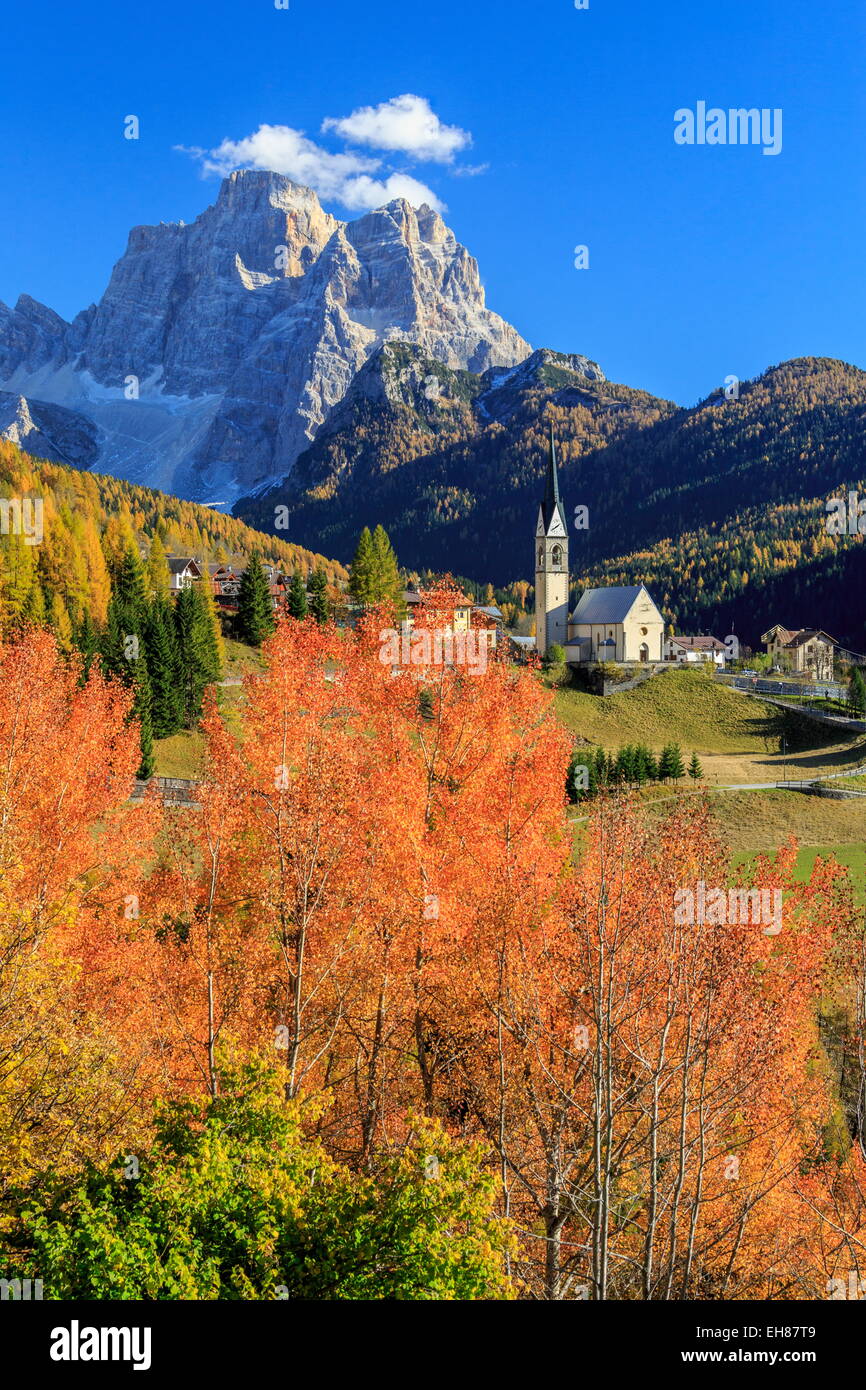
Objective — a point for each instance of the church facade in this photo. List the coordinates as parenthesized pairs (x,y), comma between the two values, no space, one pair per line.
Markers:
(620,623)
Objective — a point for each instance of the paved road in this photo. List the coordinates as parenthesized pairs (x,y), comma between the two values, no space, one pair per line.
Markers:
(830,690)
(784,786)
(822,716)
(756,786)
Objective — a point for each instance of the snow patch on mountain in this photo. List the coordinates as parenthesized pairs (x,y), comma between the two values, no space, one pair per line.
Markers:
(244,329)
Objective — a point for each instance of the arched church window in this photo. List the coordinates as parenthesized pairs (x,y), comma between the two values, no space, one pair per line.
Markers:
(540,557)
(557,555)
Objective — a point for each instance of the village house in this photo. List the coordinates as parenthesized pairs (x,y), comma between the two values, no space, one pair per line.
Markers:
(460,615)
(443,627)
(183,571)
(226,582)
(695,650)
(225,579)
(805,651)
(491,619)
(278,588)
(453,611)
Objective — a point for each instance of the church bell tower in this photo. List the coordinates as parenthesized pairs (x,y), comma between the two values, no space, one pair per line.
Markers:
(551,564)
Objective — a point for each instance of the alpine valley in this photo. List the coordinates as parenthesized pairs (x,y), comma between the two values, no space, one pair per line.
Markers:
(273,360)
(719,509)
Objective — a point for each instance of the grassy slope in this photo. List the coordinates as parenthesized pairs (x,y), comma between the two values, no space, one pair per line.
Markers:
(737,738)
(763,820)
(852,856)
(181,755)
(686,705)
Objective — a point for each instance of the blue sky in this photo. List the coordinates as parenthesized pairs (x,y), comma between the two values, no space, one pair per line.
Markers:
(705,261)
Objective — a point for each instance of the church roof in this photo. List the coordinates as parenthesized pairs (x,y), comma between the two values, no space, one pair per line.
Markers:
(552,503)
(611,605)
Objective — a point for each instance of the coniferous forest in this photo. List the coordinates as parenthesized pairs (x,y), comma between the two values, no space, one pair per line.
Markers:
(720,509)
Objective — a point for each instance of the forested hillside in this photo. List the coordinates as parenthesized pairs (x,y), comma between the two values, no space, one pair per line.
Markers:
(88,520)
(85,556)
(720,509)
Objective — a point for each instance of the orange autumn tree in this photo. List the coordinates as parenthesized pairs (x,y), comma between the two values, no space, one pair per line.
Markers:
(371,811)
(290,880)
(654,1085)
(67,765)
(378,892)
(492,763)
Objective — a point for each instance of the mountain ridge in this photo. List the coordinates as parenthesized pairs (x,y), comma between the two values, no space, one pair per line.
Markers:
(708,504)
(220,346)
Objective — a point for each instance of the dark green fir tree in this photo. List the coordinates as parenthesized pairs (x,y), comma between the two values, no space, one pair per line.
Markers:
(198,666)
(319,606)
(297,600)
(255,611)
(164,670)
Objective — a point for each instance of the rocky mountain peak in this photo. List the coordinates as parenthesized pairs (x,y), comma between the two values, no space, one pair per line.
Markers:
(47,431)
(37,313)
(400,374)
(244,186)
(220,347)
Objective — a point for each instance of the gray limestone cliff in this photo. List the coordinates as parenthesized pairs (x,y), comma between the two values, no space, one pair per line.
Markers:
(220,347)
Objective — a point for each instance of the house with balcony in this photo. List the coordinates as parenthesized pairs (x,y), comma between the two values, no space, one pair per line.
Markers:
(805,651)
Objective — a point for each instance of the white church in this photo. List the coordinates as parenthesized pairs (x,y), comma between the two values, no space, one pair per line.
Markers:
(612,624)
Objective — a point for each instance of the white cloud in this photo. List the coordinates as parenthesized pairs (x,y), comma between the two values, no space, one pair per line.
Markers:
(469,171)
(407,124)
(286,151)
(343,178)
(364,192)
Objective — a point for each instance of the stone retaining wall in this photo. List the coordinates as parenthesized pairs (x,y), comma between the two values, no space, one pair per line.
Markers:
(180,789)
(615,687)
(835,793)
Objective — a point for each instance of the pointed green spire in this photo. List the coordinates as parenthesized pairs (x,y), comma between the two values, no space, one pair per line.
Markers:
(552,495)
(552,502)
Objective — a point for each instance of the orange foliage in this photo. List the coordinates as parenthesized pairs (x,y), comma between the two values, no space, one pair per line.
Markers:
(378,890)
